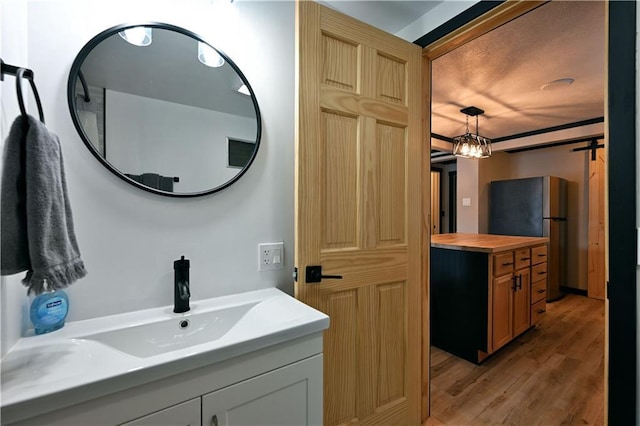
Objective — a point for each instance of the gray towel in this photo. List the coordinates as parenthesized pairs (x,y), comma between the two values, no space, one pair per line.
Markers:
(36,226)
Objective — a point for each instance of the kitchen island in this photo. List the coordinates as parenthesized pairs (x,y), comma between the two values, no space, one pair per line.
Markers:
(485,291)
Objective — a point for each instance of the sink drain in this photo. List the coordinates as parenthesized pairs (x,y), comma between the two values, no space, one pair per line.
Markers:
(183,324)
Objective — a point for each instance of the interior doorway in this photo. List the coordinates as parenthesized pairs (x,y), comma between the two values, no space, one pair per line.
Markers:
(440,47)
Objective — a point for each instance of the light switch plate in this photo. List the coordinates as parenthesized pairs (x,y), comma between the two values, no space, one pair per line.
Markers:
(270,256)
(466,202)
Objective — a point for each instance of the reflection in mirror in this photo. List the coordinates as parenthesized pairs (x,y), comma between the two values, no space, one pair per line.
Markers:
(168,113)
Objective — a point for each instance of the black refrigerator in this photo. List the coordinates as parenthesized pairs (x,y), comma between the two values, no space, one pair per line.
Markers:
(534,207)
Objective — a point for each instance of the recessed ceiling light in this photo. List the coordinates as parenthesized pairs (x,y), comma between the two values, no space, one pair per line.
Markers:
(557,84)
(138,36)
(209,56)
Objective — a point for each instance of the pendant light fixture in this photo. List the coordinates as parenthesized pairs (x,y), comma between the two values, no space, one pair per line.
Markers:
(472,145)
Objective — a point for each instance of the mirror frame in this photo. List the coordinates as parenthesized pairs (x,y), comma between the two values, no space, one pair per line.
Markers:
(71,100)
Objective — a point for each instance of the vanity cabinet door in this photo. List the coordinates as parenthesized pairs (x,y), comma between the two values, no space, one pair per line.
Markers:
(502,311)
(522,302)
(290,395)
(185,414)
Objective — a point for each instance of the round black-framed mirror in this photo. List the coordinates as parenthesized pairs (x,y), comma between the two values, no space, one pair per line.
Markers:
(164,110)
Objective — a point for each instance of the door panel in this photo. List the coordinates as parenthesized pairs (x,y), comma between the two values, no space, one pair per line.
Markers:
(340,181)
(340,405)
(391,343)
(358,212)
(391,159)
(501,311)
(522,303)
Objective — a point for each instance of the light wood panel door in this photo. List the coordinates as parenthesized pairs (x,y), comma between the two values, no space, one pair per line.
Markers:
(522,302)
(596,233)
(358,212)
(501,311)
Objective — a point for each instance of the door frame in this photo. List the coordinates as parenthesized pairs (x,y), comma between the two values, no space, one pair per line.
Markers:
(620,132)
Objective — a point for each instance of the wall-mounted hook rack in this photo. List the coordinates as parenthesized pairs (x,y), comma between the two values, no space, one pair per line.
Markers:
(21,73)
(12,70)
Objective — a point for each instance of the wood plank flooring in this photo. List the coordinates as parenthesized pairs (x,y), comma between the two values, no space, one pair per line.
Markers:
(551,375)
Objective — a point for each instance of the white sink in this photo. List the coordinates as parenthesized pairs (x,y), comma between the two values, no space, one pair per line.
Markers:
(153,338)
(92,358)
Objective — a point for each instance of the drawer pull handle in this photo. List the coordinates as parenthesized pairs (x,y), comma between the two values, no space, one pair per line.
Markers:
(541,290)
(542,255)
(525,258)
(542,311)
(507,263)
(214,420)
(542,272)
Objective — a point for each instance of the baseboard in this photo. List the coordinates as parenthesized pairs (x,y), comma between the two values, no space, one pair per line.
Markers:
(573,291)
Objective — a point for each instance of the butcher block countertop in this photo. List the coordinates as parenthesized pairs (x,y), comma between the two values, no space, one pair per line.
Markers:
(484,243)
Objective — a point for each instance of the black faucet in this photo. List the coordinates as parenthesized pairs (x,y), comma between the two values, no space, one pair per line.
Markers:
(181,291)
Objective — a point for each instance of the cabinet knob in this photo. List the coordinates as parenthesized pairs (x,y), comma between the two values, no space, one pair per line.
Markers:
(214,420)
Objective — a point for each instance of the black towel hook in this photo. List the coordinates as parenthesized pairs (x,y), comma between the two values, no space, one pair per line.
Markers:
(21,73)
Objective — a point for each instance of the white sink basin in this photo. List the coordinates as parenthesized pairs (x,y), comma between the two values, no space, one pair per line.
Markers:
(95,357)
(145,340)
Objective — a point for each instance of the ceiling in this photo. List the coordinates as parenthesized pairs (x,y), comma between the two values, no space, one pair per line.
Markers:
(390,16)
(502,72)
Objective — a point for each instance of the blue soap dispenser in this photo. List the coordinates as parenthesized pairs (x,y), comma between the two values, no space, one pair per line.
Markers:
(48,311)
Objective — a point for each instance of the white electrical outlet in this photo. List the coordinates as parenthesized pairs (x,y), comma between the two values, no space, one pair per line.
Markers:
(270,256)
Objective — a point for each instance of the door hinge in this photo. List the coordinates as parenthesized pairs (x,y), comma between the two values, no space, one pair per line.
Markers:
(608,289)
(295,274)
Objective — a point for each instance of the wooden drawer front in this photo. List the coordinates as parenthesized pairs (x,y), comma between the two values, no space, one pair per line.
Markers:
(539,272)
(522,258)
(538,310)
(538,254)
(538,291)
(502,263)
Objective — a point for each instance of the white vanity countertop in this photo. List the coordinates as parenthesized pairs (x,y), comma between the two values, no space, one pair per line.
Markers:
(66,361)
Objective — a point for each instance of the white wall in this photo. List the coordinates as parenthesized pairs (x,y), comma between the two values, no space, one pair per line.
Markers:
(145,135)
(13,50)
(128,237)
(434,18)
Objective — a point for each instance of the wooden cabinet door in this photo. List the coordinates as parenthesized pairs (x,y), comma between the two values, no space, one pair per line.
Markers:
(358,211)
(287,396)
(501,311)
(522,302)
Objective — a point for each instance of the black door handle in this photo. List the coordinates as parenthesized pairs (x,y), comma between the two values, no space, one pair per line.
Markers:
(314,275)
(519,282)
